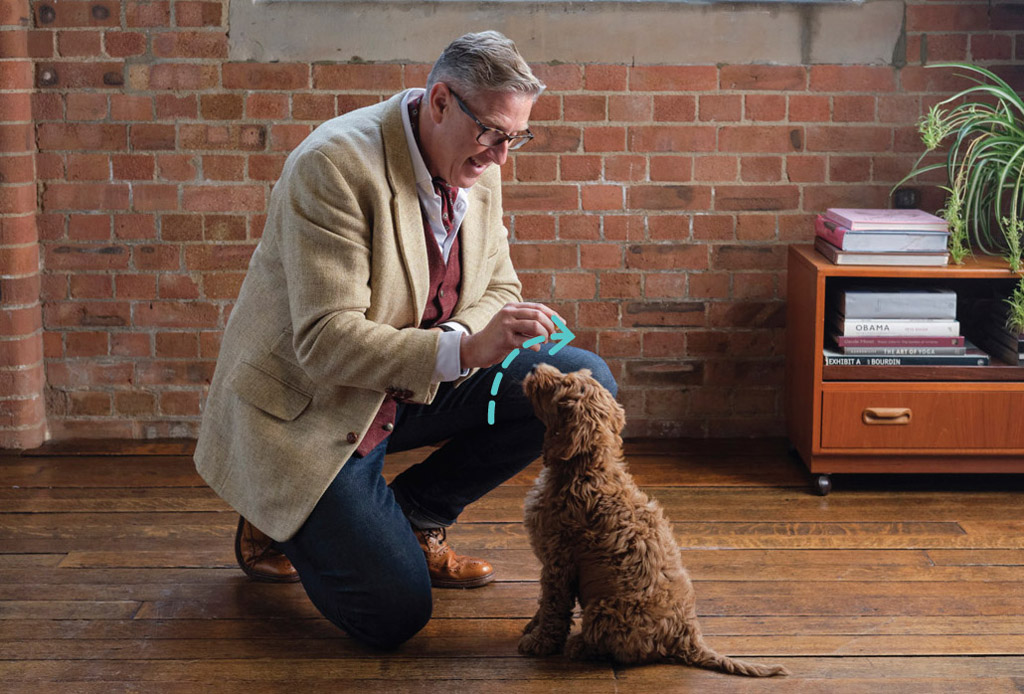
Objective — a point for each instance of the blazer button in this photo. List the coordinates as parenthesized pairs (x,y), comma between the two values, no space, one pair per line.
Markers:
(388,427)
(352,437)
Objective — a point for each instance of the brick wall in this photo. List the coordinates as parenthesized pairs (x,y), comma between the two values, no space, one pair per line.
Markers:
(653,209)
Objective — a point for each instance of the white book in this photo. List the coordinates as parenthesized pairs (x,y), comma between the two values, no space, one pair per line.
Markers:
(840,257)
(897,326)
(890,302)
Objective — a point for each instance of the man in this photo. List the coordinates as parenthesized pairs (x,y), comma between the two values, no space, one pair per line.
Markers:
(374,316)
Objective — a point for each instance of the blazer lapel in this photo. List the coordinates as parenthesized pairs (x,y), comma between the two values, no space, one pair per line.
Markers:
(405,205)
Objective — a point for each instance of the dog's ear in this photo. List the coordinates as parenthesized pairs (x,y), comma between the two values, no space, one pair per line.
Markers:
(588,417)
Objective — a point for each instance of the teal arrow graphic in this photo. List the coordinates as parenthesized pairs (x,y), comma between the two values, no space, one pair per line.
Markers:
(563,337)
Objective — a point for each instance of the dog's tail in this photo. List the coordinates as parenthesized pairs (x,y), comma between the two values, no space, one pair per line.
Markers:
(702,656)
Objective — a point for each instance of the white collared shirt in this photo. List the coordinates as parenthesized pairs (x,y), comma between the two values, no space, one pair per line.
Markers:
(449,365)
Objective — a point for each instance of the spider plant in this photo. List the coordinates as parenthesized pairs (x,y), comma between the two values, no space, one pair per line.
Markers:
(1015,312)
(984,164)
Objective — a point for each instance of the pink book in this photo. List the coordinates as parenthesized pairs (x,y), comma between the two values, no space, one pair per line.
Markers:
(872,220)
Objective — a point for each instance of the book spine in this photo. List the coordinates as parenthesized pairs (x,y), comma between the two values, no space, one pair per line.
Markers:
(900,341)
(900,351)
(830,231)
(895,326)
(921,305)
(918,360)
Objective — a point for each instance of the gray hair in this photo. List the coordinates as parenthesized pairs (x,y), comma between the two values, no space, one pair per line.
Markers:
(487,61)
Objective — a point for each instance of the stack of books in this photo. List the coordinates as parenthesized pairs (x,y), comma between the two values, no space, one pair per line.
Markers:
(990,332)
(894,326)
(881,237)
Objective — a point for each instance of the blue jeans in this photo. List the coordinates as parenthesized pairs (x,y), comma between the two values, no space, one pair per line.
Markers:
(356,554)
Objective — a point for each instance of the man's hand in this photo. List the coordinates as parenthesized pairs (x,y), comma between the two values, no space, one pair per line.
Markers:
(512,325)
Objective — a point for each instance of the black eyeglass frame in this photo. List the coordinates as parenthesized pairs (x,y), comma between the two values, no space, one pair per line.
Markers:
(514,141)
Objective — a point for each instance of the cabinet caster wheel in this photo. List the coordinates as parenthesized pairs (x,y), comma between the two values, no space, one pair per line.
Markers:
(823,485)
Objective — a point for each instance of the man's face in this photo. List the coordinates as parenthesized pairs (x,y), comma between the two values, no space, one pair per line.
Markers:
(457,157)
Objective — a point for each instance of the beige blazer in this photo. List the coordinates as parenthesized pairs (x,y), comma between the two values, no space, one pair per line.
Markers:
(326,319)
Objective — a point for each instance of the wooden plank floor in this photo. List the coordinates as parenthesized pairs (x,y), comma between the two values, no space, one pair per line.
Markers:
(117,575)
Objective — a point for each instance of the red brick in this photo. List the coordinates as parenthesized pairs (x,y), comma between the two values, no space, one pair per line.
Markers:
(147,14)
(534,227)
(223,198)
(555,256)
(672,168)
(174,286)
(598,314)
(181,227)
(668,197)
(232,137)
(575,286)
(131,108)
(991,47)
(134,226)
(536,167)
(87,344)
(190,44)
(630,107)
(767,77)
(222,285)
(177,167)
(287,136)
(151,197)
(806,107)
(51,226)
(197,14)
(142,287)
(135,402)
(849,109)
(46,107)
(79,43)
(714,227)
(88,403)
(760,169)
(941,47)
(935,17)
(49,166)
(223,167)
(852,78)
(15,106)
(85,196)
(130,345)
(558,78)
(760,138)
(267,75)
(580,167)
(624,227)
(749,198)
(350,102)
(221,227)
(91,286)
(171,106)
(124,44)
(605,77)
(19,321)
(755,227)
(152,136)
(555,138)
(267,106)
(39,44)
(579,227)
(72,13)
(86,257)
(675,108)
(220,257)
(625,167)
(176,314)
(78,75)
(177,344)
(672,138)
(81,136)
(805,168)
(540,197)
(86,106)
(748,257)
(128,167)
(669,227)
(88,167)
(17,199)
(666,257)
(17,230)
(87,313)
(671,78)
(179,402)
(19,168)
(173,76)
(765,107)
(18,137)
(356,77)
(847,138)
(163,257)
(221,106)
(849,169)
(598,256)
(316,107)
(897,108)
(265,167)
(601,197)
(585,107)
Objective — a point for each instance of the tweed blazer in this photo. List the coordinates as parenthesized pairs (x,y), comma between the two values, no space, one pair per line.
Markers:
(326,321)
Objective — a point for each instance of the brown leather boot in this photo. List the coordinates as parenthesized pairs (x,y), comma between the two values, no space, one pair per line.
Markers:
(447,569)
(258,557)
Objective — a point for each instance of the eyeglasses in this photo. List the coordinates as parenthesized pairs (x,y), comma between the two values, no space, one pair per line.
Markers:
(492,137)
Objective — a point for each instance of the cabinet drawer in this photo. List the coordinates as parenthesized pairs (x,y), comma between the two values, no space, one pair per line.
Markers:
(922,419)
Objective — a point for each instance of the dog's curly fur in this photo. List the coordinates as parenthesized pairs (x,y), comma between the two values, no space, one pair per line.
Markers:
(600,539)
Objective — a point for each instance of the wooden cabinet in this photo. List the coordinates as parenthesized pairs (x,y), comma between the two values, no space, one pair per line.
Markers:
(906,419)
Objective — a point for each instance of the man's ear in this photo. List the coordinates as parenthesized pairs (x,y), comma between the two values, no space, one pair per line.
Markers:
(439,100)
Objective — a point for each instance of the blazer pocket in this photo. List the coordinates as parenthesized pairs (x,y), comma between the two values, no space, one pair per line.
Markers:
(269,392)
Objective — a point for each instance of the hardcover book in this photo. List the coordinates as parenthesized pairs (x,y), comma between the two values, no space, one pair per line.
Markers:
(880,241)
(973,357)
(893,302)
(898,340)
(873,219)
(897,326)
(863,258)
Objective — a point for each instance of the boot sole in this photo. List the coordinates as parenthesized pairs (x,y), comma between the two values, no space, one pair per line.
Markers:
(469,583)
(255,575)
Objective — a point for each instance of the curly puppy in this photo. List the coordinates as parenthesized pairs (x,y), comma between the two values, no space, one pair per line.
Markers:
(600,539)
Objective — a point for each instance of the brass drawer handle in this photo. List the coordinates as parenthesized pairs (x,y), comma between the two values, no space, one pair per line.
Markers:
(886,415)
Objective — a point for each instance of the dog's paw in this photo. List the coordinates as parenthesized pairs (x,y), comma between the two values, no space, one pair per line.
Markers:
(531,626)
(532,644)
(578,649)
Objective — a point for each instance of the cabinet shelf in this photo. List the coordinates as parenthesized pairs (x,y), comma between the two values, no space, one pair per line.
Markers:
(959,418)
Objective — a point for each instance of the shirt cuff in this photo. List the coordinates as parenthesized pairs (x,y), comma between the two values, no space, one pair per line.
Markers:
(449,364)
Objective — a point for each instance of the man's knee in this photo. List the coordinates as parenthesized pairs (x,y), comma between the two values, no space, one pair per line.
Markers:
(386,621)
(568,360)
